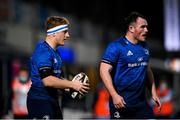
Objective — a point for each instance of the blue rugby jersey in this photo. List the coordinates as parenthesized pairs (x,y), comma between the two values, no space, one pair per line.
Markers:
(43,56)
(129,63)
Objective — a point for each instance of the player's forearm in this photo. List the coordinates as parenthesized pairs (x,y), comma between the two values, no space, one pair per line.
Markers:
(110,88)
(55,82)
(153,89)
(151,82)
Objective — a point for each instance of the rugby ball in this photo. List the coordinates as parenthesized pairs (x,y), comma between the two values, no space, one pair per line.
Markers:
(83,78)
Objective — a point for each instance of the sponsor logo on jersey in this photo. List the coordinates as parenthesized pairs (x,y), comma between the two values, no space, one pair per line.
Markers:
(129,53)
(137,64)
(140,59)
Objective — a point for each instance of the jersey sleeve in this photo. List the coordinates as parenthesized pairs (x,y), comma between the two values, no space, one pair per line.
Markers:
(111,54)
(44,59)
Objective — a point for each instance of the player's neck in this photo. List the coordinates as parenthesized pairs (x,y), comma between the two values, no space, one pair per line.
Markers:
(131,39)
(51,43)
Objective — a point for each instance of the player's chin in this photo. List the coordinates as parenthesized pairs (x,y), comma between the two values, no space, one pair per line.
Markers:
(61,44)
(143,38)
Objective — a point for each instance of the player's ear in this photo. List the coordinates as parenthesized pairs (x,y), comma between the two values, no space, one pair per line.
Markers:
(131,28)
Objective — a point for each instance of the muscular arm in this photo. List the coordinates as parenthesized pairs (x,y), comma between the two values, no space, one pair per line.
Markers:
(55,82)
(151,82)
(152,88)
(105,70)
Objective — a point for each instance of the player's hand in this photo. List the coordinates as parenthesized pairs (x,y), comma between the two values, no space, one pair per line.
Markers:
(85,88)
(118,101)
(157,102)
(80,87)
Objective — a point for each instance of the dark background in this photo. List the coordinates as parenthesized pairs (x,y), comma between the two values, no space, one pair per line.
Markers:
(110,13)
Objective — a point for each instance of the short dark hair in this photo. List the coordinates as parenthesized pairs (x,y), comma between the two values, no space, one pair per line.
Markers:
(131,18)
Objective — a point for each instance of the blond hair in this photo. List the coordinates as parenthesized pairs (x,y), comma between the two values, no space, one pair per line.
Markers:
(54,21)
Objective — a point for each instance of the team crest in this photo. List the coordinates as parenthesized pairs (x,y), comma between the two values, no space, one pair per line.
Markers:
(146,51)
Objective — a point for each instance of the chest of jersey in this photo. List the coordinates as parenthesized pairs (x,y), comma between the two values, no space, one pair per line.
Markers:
(134,56)
(56,64)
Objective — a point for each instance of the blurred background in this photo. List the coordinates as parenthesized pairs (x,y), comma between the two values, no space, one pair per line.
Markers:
(94,24)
